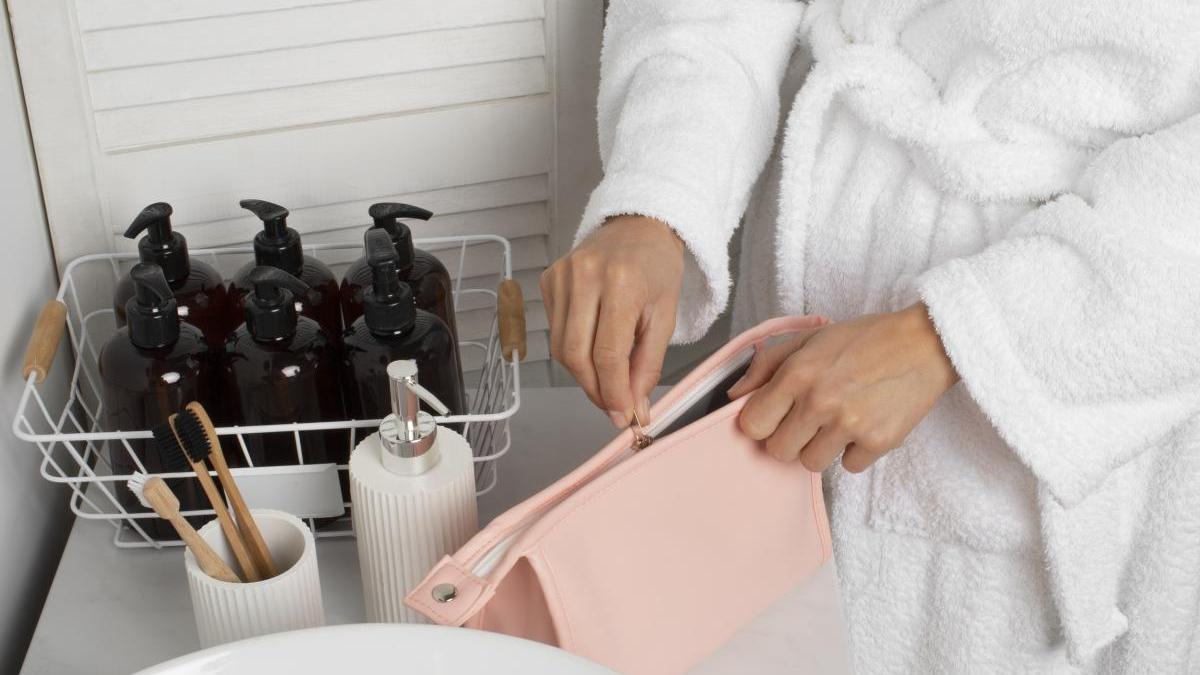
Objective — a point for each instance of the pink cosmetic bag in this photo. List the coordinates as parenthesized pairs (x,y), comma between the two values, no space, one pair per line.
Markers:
(647,560)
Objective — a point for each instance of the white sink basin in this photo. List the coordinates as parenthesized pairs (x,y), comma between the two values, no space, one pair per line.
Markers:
(380,648)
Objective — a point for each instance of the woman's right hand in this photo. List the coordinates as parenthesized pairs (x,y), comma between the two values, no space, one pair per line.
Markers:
(611,303)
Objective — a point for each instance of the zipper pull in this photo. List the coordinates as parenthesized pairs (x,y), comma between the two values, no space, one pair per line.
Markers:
(641,439)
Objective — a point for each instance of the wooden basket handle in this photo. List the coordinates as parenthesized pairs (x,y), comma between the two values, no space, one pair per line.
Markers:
(43,343)
(510,317)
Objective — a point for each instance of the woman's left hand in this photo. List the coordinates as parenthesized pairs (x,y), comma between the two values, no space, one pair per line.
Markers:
(853,388)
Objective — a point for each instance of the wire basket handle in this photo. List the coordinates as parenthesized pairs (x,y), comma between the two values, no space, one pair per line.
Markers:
(43,343)
(510,317)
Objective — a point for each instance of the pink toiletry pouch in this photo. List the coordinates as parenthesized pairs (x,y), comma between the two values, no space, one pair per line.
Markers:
(647,560)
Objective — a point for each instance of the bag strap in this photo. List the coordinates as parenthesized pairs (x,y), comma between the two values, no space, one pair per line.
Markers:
(473,592)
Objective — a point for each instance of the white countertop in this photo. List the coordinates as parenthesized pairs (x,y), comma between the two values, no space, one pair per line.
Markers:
(116,610)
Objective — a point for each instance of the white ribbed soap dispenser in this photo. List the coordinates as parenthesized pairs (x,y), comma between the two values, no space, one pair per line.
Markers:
(412,488)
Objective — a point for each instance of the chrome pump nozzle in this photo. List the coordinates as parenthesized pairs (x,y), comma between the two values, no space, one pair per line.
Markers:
(409,435)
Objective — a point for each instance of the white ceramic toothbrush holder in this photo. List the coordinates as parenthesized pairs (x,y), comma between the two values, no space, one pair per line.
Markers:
(227,612)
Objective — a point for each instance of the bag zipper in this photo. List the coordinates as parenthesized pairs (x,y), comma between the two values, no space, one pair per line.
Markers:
(702,389)
(643,437)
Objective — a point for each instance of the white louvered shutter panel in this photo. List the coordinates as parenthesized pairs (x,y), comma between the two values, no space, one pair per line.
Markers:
(325,106)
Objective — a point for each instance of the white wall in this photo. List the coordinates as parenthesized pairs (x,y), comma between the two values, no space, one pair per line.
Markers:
(33,514)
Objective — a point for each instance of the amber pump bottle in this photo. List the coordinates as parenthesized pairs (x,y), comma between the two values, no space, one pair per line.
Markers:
(150,369)
(422,271)
(196,285)
(279,246)
(281,368)
(391,329)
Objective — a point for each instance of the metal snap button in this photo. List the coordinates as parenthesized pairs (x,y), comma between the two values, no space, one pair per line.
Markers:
(445,593)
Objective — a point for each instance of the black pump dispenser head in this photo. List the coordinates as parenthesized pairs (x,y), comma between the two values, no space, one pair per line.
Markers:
(385,215)
(388,306)
(277,245)
(161,245)
(153,312)
(271,308)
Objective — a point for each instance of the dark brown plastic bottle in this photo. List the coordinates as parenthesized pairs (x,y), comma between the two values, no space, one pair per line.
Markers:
(279,246)
(391,329)
(198,288)
(150,369)
(281,368)
(428,278)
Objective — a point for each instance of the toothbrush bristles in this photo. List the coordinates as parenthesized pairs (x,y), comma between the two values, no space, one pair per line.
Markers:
(137,485)
(192,436)
(169,448)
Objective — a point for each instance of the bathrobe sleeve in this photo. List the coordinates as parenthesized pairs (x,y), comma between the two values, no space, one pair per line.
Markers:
(1078,333)
(688,110)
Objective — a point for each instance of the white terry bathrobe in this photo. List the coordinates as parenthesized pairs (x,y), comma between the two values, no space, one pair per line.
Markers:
(1030,169)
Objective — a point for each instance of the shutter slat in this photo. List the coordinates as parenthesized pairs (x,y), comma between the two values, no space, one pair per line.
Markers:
(422,152)
(102,14)
(510,222)
(225,116)
(171,31)
(357,59)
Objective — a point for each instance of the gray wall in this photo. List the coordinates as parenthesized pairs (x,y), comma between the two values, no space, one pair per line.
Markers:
(33,513)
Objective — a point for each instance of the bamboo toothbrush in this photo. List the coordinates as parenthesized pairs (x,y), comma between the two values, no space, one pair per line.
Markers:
(174,455)
(200,440)
(154,494)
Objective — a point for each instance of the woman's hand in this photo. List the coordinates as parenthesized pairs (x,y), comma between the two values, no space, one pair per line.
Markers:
(854,388)
(611,303)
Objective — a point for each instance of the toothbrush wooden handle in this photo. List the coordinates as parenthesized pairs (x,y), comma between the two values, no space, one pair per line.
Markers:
(254,539)
(250,533)
(43,343)
(206,557)
(232,534)
(510,319)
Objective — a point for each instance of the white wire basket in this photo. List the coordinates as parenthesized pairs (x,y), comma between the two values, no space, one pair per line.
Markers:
(76,447)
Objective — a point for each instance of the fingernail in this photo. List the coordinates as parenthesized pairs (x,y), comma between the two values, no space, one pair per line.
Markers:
(644,410)
(736,385)
(618,419)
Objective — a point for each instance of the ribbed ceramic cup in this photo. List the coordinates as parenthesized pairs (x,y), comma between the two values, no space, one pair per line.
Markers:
(226,612)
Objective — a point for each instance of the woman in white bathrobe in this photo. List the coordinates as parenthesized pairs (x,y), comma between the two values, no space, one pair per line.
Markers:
(999,203)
